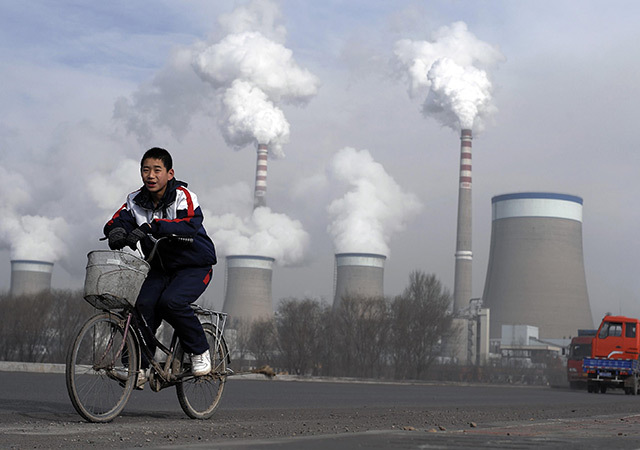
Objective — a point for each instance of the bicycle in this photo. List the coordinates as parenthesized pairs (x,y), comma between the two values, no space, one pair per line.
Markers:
(104,360)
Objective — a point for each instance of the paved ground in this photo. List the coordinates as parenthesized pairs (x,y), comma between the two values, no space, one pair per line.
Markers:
(35,412)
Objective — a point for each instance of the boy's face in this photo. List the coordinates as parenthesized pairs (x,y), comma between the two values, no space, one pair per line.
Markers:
(155,176)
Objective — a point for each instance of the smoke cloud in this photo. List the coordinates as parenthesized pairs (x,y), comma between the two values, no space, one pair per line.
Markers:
(248,116)
(374,207)
(264,233)
(28,236)
(241,79)
(451,70)
(57,195)
(251,73)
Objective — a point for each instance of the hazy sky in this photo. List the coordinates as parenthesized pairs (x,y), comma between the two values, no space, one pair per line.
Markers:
(86,89)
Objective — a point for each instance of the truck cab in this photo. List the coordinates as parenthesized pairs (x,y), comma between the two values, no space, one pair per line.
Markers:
(614,356)
(579,348)
(618,337)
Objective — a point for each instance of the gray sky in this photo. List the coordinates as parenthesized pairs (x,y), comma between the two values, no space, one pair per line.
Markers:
(86,89)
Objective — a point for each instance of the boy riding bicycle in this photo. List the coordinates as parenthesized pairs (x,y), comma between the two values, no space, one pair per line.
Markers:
(179,273)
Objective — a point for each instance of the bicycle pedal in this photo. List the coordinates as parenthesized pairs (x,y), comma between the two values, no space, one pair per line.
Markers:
(155,382)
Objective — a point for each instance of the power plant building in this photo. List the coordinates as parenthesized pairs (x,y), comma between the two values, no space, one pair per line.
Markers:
(30,277)
(358,274)
(535,274)
(248,287)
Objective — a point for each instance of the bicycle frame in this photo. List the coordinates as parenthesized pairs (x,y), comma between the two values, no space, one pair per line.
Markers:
(168,371)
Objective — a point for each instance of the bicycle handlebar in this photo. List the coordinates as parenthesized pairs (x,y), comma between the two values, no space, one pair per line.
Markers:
(185,240)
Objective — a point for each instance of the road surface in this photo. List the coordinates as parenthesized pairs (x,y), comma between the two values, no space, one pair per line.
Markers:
(35,412)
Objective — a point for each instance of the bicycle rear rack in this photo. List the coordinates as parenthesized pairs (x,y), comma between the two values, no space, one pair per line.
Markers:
(217,319)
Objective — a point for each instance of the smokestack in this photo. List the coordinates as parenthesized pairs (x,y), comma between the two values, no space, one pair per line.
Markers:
(358,274)
(260,192)
(30,277)
(536,267)
(248,287)
(464,256)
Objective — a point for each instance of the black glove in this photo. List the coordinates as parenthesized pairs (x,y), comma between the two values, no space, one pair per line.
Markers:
(117,238)
(137,234)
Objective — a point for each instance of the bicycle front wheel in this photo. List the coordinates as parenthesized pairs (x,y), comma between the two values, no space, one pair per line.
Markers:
(199,396)
(101,368)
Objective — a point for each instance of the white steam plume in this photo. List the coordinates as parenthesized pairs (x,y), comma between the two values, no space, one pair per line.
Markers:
(451,69)
(374,208)
(249,116)
(28,236)
(34,237)
(251,74)
(264,233)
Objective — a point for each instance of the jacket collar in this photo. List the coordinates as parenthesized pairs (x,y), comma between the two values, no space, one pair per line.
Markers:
(143,198)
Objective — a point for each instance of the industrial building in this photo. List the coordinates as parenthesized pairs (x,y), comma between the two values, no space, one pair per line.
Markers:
(535,274)
(30,277)
(247,292)
(358,274)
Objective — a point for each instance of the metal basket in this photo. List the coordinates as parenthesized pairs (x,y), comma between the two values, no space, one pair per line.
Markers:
(113,278)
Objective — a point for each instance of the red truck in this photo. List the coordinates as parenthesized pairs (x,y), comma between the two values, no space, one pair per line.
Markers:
(614,356)
(579,349)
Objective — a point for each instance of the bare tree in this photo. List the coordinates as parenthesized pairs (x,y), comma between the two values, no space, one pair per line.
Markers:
(238,333)
(262,341)
(40,327)
(420,321)
(360,335)
(68,312)
(24,329)
(299,329)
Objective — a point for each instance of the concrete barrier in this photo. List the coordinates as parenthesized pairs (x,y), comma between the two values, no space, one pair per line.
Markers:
(15,366)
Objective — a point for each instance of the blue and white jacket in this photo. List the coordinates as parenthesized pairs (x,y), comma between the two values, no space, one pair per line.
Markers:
(177,213)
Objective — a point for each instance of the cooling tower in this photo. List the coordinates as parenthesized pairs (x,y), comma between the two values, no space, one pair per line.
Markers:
(358,274)
(260,192)
(248,287)
(464,256)
(536,272)
(30,277)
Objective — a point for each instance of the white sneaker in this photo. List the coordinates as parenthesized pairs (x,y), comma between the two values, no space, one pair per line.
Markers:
(201,364)
(142,379)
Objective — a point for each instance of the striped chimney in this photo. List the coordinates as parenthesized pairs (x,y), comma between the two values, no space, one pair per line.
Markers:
(464,256)
(260,193)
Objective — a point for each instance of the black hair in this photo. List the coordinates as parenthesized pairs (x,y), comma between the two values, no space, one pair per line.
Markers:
(158,153)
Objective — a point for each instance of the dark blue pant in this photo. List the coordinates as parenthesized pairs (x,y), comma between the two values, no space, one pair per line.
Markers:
(168,296)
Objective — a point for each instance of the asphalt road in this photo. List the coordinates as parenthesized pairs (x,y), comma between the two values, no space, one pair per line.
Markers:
(35,412)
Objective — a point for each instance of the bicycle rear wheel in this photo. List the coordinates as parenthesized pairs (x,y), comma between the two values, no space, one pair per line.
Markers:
(199,396)
(101,368)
